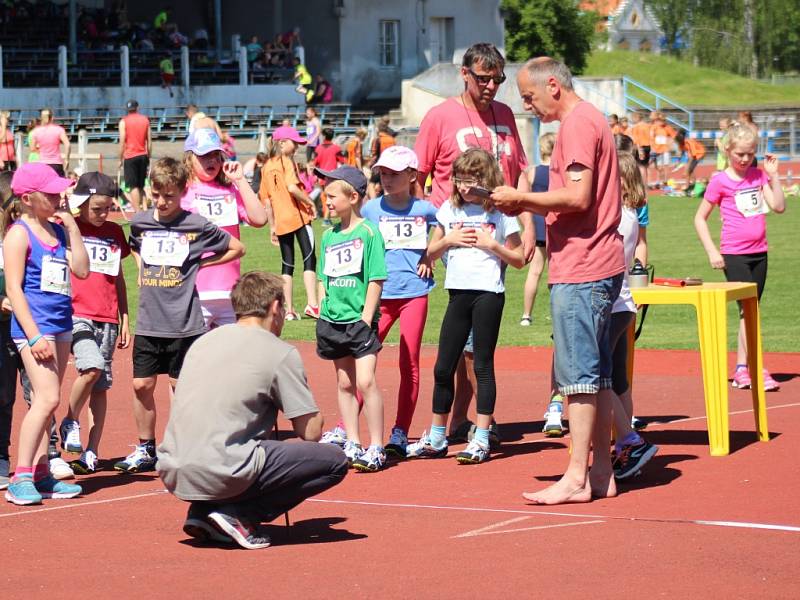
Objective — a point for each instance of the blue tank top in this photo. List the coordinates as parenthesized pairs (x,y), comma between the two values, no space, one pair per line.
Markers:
(46,285)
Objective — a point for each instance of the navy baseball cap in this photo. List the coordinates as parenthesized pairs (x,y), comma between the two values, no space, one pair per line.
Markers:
(346,173)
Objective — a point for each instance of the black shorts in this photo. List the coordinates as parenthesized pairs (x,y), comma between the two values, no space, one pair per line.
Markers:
(57,168)
(157,356)
(338,340)
(750,268)
(643,156)
(134,171)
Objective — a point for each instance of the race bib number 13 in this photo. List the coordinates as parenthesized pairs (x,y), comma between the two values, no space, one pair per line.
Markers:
(104,255)
(344,258)
(220,210)
(404,232)
(164,248)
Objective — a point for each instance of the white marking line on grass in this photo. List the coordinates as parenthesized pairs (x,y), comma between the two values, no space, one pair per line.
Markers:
(492,529)
(509,511)
(30,511)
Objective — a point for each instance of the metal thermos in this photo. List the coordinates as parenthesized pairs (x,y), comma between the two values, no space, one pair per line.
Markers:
(638,276)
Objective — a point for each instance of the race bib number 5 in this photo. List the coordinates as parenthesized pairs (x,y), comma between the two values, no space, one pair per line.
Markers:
(220,210)
(409,233)
(164,248)
(750,202)
(344,258)
(55,276)
(104,255)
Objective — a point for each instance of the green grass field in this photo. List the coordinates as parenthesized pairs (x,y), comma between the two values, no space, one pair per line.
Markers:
(674,250)
(682,82)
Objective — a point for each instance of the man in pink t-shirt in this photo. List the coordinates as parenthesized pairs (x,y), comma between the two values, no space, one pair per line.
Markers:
(583,209)
(47,140)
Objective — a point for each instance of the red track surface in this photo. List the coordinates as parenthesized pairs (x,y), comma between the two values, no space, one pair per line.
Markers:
(434,528)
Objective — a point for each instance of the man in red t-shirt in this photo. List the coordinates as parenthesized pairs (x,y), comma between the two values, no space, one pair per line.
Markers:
(583,209)
(134,152)
(473,119)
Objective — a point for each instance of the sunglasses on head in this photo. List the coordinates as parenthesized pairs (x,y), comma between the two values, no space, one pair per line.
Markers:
(485,79)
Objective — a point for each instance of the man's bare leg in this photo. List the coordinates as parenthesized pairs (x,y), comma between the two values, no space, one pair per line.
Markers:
(574,484)
(136,199)
(601,476)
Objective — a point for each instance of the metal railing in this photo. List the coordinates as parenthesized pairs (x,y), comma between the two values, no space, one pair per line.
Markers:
(640,97)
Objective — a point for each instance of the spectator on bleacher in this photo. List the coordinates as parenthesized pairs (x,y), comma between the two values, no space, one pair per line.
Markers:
(355,149)
(254,50)
(313,129)
(200,120)
(8,158)
(167,73)
(176,38)
(47,141)
(303,79)
(323,91)
(135,145)
(200,41)
(160,22)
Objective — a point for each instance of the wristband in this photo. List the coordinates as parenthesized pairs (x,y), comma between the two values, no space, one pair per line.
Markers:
(33,340)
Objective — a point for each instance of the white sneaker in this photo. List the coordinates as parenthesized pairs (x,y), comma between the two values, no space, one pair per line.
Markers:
(70,431)
(353,451)
(86,464)
(553,426)
(336,436)
(60,469)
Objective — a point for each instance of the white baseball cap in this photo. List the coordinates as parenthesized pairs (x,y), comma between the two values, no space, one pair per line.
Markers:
(398,158)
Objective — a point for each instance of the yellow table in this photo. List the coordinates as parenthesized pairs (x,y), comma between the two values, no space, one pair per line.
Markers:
(710,301)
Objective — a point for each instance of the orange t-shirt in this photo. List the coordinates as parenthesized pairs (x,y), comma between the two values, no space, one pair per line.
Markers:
(353,151)
(661,138)
(641,134)
(277,175)
(694,149)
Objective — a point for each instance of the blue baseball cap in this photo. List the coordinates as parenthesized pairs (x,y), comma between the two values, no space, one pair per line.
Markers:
(203,141)
(346,173)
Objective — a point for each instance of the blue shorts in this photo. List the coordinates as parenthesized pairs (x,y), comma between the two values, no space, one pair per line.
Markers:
(581,315)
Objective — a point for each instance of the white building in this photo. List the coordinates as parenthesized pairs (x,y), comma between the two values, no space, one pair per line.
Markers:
(633,26)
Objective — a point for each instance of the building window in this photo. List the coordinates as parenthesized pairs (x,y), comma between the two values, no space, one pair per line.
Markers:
(389,43)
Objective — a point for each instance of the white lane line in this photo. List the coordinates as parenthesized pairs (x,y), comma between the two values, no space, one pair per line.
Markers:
(29,511)
(750,525)
(490,530)
(733,413)
(490,527)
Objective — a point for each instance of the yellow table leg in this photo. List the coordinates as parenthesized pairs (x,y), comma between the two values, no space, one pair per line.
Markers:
(712,331)
(752,326)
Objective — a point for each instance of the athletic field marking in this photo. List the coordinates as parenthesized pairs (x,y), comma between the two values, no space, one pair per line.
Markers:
(25,512)
(491,529)
(510,511)
(736,412)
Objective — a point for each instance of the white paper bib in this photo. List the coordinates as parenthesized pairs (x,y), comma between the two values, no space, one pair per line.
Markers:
(55,275)
(220,210)
(408,233)
(164,248)
(104,255)
(344,258)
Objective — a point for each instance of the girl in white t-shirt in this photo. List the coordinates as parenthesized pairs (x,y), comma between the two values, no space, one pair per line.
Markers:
(478,242)
(219,192)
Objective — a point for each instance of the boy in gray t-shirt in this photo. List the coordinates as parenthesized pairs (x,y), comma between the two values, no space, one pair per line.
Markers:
(170,246)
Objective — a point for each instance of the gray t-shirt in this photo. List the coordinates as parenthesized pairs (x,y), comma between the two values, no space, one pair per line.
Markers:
(170,254)
(233,382)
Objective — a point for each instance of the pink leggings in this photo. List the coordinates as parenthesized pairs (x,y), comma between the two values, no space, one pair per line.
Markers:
(412,313)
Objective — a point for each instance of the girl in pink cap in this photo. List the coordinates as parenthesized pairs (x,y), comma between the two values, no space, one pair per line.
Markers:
(38,257)
(218,191)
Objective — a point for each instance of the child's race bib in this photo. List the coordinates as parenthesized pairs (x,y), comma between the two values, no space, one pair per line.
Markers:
(220,210)
(164,248)
(409,233)
(104,255)
(750,202)
(55,275)
(344,258)
(661,140)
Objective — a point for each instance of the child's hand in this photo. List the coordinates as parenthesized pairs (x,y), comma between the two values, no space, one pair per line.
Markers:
(485,239)
(5,305)
(273,238)
(463,238)
(233,170)
(124,339)
(42,351)
(770,164)
(425,267)
(716,260)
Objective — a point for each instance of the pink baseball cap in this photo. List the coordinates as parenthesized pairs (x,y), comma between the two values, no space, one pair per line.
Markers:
(285,132)
(398,158)
(38,177)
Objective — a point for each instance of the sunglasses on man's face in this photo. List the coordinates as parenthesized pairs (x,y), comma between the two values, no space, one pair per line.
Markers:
(485,79)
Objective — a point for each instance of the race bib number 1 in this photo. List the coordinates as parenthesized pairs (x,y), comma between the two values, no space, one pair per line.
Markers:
(55,276)
(164,248)
(750,202)
(344,258)
(220,210)
(409,233)
(104,255)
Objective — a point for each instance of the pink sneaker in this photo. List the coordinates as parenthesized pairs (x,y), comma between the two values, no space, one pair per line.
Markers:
(770,385)
(741,379)
(311,311)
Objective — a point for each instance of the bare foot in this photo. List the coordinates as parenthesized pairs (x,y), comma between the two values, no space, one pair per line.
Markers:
(564,491)
(602,483)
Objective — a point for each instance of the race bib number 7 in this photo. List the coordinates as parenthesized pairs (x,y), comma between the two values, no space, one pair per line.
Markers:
(168,248)
(750,202)
(344,258)
(410,233)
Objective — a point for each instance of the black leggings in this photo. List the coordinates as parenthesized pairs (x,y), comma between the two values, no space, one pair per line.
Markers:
(751,268)
(306,242)
(481,312)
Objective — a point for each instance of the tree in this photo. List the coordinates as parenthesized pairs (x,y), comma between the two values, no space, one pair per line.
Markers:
(555,28)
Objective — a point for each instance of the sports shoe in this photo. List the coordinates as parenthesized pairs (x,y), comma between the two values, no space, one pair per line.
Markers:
(553,427)
(353,451)
(770,385)
(337,436)
(525,321)
(4,468)
(241,531)
(292,316)
(60,469)
(638,424)
(633,457)
(373,459)
(49,487)
(137,461)
(397,442)
(22,492)
(494,434)
(199,527)
(474,453)
(86,464)
(311,311)
(741,379)
(70,432)
(423,448)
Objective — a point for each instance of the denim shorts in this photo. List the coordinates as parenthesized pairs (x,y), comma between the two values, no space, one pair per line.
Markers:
(581,315)
(93,344)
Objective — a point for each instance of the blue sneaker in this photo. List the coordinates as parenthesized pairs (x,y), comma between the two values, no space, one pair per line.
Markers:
(397,442)
(22,492)
(50,487)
